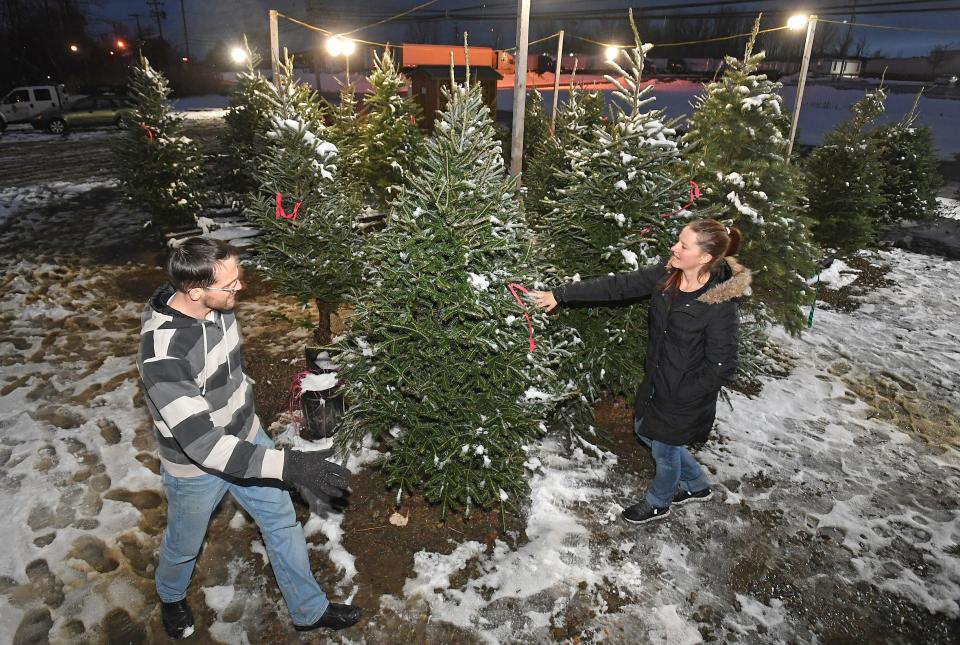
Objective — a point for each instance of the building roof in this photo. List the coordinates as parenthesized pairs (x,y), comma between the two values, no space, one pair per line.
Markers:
(443,72)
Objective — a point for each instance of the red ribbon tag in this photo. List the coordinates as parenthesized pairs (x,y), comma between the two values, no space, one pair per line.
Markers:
(514,287)
(149,132)
(280,214)
(694,196)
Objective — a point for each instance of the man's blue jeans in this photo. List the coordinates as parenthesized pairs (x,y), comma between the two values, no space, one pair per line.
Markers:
(675,465)
(191,501)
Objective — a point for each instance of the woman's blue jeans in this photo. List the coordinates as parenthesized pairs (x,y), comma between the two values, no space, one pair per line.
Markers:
(675,465)
(191,501)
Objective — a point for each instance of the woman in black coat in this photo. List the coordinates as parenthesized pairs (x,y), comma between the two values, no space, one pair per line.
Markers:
(691,353)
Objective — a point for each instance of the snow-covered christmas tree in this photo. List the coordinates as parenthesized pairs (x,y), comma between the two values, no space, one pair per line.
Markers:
(161,168)
(437,359)
(736,150)
(911,170)
(310,247)
(579,117)
(247,123)
(616,210)
(344,133)
(389,138)
(845,177)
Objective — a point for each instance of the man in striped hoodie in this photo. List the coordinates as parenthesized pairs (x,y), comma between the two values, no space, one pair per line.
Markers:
(211,441)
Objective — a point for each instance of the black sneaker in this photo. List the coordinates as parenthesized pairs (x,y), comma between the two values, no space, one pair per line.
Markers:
(337,616)
(685,496)
(642,513)
(177,619)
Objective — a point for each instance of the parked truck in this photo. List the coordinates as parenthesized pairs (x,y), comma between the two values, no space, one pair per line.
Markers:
(23,103)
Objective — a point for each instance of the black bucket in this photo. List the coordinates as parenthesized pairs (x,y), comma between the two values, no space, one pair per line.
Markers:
(321,410)
(321,415)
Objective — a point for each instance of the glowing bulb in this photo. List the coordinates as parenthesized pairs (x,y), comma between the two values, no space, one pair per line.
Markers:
(74,49)
(349,47)
(797,22)
(611,52)
(334,46)
(238,54)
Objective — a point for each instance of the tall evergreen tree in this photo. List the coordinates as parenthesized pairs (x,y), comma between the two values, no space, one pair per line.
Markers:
(310,246)
(247,123)
(579,118)
(161,168)
(911,171)
(736,150)
(436,358)
(608,216)
(845,177)
(344,132)
(389,138)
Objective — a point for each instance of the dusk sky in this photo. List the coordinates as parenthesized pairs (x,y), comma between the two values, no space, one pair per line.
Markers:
(209,21)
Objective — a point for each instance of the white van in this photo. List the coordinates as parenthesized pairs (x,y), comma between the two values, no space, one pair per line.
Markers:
(23,103)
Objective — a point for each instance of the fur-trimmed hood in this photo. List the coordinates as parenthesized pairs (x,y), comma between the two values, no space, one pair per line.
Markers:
(732,281)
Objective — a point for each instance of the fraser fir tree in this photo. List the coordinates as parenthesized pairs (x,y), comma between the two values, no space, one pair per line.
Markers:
(911,175)
(344,132)
(389,138)
(736,150)
(436,358)
(608,216)
(579,118)
(310,246)
(161,168)
(845,177)
(247,123)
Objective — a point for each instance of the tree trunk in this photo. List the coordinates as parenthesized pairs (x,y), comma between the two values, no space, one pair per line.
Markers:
(321,332)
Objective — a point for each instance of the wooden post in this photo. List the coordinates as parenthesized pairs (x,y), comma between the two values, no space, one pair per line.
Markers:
(274,45)
(556,82)
(519,88)
(807,47)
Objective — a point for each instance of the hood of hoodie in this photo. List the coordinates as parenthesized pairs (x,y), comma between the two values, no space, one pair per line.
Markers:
(160,315)
(731,281)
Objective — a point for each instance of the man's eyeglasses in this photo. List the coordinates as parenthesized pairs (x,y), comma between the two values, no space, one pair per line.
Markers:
(233,290)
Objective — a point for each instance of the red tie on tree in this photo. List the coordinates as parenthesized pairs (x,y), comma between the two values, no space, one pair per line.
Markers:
(514,287)
(280,214)
(694,196)
(149,132)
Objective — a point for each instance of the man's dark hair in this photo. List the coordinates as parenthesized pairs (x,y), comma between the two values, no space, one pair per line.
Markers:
(193,263)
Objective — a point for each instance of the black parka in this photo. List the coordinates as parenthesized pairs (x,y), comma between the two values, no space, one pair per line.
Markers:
(692,349)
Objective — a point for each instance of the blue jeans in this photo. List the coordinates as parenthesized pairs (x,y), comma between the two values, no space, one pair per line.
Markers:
(675,465)
(191,501)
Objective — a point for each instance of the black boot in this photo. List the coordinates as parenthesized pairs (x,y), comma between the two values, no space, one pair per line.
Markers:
(177,619)
(337,616)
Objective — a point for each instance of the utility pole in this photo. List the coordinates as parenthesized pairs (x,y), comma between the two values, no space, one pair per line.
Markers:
(156,10)
(274,45)
(556,82)
(136,16)
(802,81)
(186,38)
(519,88)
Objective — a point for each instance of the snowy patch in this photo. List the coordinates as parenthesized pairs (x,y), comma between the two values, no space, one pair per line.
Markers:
(318,382)
(837,276)
(478,281)
(948,208)
(630,258)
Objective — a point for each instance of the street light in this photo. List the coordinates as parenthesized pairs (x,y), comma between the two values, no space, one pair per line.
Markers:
(121,45)
(337,46)
(238,54)
(611,53)
(796,23)
(74,49)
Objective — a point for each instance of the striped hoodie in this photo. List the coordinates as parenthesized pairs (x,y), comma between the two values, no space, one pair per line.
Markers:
(200,400)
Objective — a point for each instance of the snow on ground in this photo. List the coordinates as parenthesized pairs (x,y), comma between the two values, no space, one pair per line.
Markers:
(948,208)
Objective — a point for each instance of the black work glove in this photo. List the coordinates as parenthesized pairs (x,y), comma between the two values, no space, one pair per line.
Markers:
(314,477)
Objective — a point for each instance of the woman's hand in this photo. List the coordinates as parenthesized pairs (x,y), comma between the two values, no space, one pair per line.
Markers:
(544,300)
